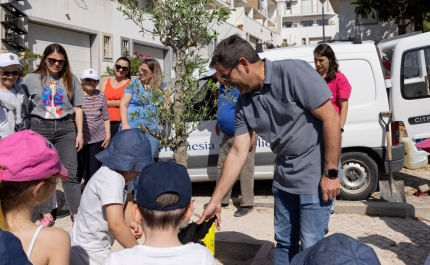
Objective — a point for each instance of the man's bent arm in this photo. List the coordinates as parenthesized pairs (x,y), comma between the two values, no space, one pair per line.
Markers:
(331,133)
(230,172)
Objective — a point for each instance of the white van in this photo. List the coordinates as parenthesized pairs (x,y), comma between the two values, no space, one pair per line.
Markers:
(364,152)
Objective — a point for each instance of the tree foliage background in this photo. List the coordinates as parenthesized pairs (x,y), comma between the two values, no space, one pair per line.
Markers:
(186,27)
(408,14)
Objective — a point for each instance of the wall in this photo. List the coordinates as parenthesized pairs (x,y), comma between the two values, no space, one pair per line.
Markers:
(348,25)
(296,34)
(96,18)
(253,3)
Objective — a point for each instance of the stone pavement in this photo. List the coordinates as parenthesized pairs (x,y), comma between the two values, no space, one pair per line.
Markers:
(396,241)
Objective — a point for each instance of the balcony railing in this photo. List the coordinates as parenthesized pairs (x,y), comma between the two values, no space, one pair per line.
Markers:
(308,7)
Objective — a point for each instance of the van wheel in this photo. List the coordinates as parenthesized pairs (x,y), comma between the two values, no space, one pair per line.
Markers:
(360,176)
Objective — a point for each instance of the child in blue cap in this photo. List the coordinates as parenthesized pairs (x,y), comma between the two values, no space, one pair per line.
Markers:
(163,201)
(105,211)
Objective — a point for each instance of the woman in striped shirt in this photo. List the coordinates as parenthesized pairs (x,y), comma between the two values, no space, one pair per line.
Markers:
(96,127)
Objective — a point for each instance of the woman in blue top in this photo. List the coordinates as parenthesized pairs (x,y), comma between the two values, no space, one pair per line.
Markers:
(136,106)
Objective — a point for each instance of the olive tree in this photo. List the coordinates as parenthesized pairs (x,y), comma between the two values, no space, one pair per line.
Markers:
(186,26)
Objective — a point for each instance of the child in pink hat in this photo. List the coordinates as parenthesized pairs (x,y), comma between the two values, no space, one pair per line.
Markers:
(29,168)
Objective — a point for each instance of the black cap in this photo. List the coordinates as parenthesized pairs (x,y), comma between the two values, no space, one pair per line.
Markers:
(163,177)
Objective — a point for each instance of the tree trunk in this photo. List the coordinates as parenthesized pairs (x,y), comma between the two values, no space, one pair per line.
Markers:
(180,153)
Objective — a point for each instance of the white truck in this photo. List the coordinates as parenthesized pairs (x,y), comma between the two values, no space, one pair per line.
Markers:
(364,152)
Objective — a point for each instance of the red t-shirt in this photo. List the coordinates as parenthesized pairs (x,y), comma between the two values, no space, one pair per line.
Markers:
(340,88)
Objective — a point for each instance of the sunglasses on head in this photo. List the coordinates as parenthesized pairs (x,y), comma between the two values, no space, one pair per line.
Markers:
(14,73)
(118,67)
(54,61)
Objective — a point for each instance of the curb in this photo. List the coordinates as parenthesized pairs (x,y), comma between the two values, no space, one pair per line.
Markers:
(394,209)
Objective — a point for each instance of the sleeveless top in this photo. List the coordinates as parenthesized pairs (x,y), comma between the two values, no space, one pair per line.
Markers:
(114,94)
(33,240)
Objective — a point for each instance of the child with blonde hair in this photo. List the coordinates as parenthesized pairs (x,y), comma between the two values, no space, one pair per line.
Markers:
(29,169)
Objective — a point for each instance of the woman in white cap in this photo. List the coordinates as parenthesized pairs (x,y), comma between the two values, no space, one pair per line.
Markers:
(13,101)
(96,126)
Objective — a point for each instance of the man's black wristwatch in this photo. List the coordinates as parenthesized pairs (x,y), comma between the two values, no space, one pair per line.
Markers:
(331,173)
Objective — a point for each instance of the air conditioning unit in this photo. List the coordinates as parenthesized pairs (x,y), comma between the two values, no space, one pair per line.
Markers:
(295,25)
(331,23)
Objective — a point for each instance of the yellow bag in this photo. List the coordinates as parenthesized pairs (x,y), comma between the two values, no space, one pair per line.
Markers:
(209,239)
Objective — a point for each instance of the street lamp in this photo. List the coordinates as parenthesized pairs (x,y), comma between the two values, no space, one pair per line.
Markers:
(322,4)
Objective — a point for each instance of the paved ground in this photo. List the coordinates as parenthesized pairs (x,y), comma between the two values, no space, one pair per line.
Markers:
(395,240)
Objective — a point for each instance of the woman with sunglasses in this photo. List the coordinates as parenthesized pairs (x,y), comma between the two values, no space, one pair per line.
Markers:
(113,89)
(57,101)
(137,98)
(13,101)
(96,126)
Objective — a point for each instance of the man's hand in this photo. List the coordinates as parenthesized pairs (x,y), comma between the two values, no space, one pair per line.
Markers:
(217,130)
(253,140)
(330,188)
(212,209)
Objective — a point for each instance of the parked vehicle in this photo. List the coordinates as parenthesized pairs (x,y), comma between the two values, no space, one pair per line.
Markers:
(364,153)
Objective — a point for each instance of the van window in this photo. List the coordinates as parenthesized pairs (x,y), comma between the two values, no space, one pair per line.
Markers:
(360,75)
(415,73)
(387,58)
(204,102)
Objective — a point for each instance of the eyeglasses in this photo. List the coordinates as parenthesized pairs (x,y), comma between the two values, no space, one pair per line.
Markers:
(54,61)
(90,80)
(118,67)
(6,73)
(144,71)
(225,78)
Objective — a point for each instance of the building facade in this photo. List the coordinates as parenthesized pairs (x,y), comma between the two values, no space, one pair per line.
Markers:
(302,21)
(94,33)
(368,29)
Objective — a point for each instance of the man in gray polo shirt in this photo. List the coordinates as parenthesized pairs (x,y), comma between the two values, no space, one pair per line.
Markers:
(286,103)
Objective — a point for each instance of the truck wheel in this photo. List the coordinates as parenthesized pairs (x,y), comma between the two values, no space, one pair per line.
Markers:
(360,176)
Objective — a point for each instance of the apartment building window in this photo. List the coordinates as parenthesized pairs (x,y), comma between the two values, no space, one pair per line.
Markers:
(320,22)
(307,23)
(288,5)
(107,47)
(125,46)
(287,24)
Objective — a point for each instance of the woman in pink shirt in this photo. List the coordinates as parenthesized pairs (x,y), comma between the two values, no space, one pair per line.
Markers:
(328,67)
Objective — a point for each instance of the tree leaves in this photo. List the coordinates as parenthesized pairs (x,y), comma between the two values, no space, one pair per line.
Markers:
(186,27)
(403,12)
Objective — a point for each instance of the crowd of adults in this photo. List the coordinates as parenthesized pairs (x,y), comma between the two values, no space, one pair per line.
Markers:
(75,116)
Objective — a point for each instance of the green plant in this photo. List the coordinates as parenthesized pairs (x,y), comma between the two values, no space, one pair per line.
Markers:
(135,60)
(186,27)
(27,59)
(286,44)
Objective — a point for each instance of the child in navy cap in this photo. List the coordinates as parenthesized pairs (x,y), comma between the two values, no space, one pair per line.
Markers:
(163,202)
(104,213)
